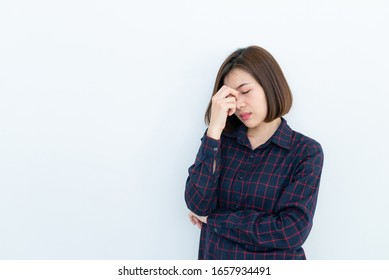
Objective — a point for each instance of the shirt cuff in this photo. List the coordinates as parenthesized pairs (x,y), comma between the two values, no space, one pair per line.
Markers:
(210,146)
(215,221)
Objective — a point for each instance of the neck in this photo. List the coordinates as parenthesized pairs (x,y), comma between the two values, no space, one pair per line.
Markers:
(260,134)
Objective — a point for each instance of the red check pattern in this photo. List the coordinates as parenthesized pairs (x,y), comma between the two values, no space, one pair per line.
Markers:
(260,203)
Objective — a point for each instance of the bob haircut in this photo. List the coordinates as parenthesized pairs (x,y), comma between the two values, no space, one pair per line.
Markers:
(262,66)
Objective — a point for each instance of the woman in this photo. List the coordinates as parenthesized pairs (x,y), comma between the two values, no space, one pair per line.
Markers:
(253,187)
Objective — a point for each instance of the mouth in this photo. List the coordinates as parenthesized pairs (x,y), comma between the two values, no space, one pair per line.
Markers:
(245,116)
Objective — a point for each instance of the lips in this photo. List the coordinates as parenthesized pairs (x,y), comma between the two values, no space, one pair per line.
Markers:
(245,116)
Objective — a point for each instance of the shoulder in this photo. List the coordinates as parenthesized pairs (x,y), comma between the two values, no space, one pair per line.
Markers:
(295,141)
(301,140)
(305,147)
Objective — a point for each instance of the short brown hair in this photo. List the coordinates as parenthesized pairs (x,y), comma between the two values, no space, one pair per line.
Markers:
(260,64)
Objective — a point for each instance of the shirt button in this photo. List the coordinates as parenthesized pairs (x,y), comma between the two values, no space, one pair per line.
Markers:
(215,149)
(215,230)
(241,178)
(251,156)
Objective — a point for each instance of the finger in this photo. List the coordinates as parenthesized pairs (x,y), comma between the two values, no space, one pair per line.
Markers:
(198,223)
(234,93)
(225,91)
(230,99)
(231,108)
(191,218)
(231,112)
(226,103)
(193,221)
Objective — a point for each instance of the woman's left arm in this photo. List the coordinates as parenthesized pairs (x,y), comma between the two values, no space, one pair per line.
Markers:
(289,225)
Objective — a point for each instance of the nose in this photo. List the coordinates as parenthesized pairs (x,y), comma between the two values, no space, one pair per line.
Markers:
(240,103)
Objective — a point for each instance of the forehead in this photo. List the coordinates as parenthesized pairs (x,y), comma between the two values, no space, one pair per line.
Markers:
(237,77)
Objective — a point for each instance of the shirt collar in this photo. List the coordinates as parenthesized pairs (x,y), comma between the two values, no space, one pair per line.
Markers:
(282,137)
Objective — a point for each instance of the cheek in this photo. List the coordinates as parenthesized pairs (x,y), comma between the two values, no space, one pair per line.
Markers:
(260,102)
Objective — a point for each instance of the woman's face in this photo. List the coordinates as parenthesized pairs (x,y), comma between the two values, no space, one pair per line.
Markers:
(251,106)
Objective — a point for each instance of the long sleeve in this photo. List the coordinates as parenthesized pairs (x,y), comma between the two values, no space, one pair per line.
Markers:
(288,226)
(201,185)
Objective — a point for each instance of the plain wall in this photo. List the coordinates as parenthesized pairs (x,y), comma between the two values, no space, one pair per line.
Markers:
(101,115)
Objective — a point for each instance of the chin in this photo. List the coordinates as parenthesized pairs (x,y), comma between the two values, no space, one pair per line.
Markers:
(253,125)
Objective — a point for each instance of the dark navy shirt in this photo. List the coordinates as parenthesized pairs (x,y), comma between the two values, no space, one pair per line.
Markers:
(260,203)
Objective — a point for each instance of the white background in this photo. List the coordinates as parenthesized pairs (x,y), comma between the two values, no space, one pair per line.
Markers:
(101,114)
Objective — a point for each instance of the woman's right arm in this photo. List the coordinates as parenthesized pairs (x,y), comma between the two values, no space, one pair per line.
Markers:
(201,185)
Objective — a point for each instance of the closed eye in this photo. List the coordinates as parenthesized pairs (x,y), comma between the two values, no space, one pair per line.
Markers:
(244,92)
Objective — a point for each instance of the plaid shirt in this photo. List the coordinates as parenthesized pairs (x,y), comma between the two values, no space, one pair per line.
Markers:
(260,203)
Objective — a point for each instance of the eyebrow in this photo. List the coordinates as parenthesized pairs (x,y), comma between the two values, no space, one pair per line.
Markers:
(242,85)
